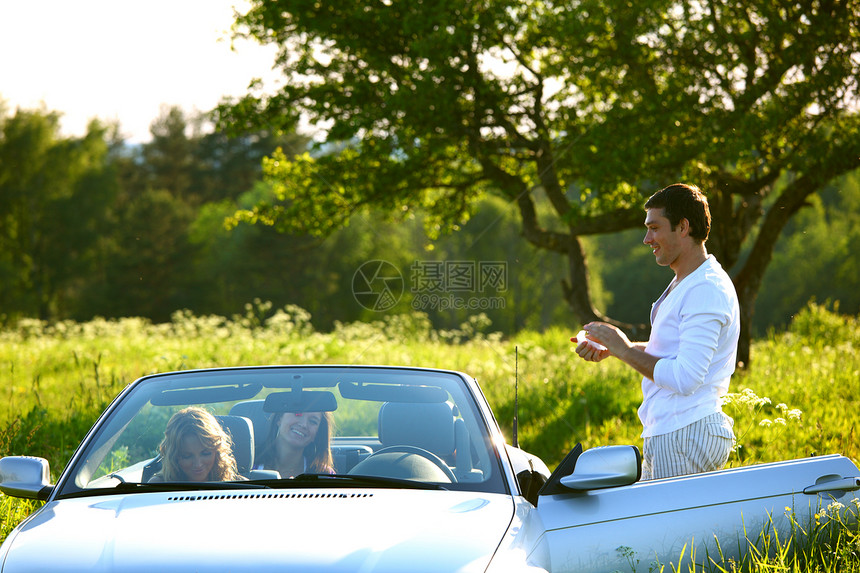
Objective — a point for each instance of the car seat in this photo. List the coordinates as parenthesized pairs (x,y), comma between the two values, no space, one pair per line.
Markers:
(429,426)
(253,411)
(241,433)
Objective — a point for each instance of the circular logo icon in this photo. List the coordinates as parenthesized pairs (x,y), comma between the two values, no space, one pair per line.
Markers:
(377,285)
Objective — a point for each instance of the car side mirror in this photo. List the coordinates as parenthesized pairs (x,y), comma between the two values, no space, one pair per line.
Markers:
(25,476)
(606,466)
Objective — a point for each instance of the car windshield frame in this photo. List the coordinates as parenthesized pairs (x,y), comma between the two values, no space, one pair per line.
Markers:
(127,425)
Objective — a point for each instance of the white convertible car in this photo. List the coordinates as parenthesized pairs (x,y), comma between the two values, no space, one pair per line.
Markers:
(423,481)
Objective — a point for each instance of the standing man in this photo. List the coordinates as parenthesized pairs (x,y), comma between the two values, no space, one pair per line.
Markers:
(691,353)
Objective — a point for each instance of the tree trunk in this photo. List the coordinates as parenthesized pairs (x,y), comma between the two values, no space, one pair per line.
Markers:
(577,293)
(748,279)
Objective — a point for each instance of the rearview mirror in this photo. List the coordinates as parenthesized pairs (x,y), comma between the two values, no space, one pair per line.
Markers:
(300,401)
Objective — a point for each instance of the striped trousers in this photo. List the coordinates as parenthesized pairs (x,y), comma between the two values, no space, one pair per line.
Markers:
(702,446)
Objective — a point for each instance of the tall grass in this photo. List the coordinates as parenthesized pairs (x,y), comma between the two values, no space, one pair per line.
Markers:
(799,398)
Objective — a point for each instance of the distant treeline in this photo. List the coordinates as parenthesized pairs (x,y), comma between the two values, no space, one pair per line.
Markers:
(93,226)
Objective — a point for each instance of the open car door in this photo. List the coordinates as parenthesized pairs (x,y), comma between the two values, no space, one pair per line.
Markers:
(599,517)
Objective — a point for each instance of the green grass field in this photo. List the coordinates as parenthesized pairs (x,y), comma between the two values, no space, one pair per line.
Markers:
(801,397)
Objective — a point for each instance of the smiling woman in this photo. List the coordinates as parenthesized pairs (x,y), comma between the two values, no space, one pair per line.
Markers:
(299,442)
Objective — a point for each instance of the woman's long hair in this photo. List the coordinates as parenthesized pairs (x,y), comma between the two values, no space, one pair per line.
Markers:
(195,421)
(317,453)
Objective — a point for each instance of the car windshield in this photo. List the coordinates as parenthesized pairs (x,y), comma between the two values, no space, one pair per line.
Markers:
(384,426)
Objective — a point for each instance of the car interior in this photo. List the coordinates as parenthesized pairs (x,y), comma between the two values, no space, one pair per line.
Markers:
(413,432)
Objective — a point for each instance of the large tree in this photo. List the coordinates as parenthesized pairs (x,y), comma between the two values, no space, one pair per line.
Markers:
(586,106)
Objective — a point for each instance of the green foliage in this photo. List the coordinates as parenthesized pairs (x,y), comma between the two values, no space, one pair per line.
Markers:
(428,107)
(817,257)
(828,543)
(823,326)
(92,227)
(13,511)
(748,411)
(623,257)
(527,299)
(152,243)
(54,198)
(61,375)
(317,274)
(145,269)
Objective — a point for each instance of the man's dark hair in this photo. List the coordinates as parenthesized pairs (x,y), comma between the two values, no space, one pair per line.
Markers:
(681,201)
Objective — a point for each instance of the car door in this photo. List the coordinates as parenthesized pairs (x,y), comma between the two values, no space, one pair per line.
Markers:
(710,516)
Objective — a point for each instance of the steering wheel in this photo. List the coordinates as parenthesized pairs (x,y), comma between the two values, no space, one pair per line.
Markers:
(405,449)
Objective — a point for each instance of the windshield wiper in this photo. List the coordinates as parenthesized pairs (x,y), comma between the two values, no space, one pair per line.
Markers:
(187,486)
(135,487)
(347,480)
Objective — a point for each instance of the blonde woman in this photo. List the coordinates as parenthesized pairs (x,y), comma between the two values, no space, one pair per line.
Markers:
(196,448)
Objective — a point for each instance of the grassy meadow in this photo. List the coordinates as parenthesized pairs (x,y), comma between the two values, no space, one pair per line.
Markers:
(801,397)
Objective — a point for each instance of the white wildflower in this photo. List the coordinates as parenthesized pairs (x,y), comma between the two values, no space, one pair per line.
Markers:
(834,507)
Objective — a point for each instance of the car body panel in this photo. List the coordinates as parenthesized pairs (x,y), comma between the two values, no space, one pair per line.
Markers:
(224,530)
(661,520)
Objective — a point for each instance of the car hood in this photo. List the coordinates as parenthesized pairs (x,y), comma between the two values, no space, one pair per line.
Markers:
(319,530)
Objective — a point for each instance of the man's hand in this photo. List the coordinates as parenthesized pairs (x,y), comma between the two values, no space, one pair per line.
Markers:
(589,349)
(616,344)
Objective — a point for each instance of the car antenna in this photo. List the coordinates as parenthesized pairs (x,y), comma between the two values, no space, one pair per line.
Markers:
(516,393)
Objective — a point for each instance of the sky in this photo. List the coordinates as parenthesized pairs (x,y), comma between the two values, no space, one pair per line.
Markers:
(123,60)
